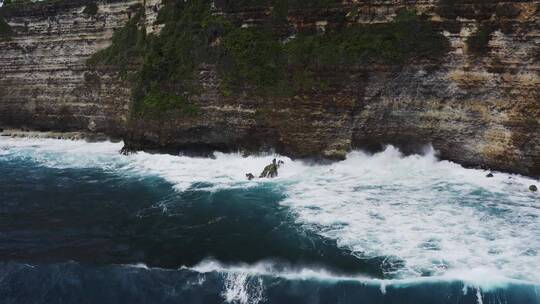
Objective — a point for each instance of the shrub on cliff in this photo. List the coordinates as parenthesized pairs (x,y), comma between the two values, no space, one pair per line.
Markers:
(5,29)
(253,56)
(156,102)
(471,9)
(127,46)
(478,43)
(91,9)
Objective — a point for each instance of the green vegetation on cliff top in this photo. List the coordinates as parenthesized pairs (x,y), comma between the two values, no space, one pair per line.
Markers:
(254,59)
(5,29)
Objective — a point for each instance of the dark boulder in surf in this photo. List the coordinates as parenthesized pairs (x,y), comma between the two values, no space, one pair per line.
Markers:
(270,171)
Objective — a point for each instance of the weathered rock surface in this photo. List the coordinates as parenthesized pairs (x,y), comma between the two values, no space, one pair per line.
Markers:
(44,81)
(478,110)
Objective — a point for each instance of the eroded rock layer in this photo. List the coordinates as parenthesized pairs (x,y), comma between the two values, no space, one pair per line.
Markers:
(476,108)
(44,80)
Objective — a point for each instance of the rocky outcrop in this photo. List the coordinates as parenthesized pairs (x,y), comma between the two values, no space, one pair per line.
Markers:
(479,109)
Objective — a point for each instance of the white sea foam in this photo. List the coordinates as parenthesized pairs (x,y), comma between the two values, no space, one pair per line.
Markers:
(222,171)
(242,289)
(477,278)
(243,283)
(61,154)
(429,217)
(432,215)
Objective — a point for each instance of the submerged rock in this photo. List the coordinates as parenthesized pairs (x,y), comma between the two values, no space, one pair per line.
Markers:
(489,175)
(533,188)
(250,176)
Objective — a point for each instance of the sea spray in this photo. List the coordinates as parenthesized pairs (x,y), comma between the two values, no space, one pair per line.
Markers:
(427,216)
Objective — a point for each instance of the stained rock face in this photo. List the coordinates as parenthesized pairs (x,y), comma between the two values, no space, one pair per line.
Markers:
(479,109)
(44,81)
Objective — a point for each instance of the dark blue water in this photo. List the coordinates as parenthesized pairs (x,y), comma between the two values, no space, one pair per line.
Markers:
(74,235)
(91,216)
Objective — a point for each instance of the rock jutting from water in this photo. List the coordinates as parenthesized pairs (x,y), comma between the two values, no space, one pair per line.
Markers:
(270,171)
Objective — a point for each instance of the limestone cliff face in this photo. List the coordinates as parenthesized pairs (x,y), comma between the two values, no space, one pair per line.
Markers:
(44,81)
(476,109)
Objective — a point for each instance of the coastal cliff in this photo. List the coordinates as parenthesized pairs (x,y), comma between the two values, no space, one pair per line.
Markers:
(45,83)
(471,89)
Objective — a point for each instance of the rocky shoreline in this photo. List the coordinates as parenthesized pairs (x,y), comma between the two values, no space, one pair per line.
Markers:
(86,136)
(202,151)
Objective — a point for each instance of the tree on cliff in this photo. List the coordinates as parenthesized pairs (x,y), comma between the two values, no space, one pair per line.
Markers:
(5,29)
